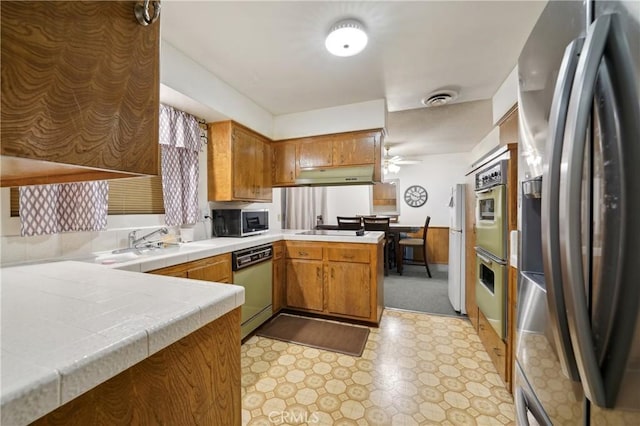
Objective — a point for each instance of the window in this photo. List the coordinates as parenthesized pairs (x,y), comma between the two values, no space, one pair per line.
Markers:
(139,195)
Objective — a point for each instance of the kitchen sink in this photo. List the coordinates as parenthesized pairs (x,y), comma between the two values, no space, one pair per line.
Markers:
(129,254)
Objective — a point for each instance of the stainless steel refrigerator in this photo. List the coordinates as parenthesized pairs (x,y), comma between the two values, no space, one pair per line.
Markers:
(578,312)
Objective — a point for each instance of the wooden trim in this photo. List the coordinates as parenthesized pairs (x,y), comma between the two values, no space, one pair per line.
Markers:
(193,381)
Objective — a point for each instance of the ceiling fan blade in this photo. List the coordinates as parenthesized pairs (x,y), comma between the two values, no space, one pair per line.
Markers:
(408,162)
(396,158)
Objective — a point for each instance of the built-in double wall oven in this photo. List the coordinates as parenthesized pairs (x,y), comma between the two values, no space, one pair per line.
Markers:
(491,244)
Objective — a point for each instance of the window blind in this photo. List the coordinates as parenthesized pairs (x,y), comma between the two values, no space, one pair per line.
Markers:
(140,195)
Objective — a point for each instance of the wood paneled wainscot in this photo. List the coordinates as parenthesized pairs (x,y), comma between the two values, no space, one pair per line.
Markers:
(239,164)
(337,279)
(215,269)
(80,92)
(348,149)
(195,381)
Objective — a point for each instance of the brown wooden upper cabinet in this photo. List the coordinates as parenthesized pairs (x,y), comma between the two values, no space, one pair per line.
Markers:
(284,163)
(326,151)
(239,164)
(80,92)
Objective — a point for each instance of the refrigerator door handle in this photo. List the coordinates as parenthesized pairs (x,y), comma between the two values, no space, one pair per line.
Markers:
(550,214)
(604,35)
(571,171)
(526,402)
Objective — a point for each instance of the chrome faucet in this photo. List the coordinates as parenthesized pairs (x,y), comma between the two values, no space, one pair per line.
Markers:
(134,242)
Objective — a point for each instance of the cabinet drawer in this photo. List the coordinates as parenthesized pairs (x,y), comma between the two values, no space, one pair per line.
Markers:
(350,254)
(303,251)
(495,346)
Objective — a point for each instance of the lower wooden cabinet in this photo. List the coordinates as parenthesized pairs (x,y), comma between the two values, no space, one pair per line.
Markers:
(215,269)
(304,284)
(349,289)
(495,346)
(278,276)
(338,279)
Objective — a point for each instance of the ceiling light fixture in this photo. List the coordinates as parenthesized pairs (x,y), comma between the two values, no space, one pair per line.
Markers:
(346,38)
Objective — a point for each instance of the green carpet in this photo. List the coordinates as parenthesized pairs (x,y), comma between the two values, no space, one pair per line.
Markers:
(415,291)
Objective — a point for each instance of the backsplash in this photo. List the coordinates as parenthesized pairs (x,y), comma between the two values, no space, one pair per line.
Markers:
(16,249)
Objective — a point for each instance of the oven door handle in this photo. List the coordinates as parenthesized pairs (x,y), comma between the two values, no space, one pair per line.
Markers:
(484,259)
(484,191)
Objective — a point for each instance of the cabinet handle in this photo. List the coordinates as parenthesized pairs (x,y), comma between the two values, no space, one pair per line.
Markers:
(303,253)
(333,275)
(141,10)
(496,351)
(348,256)
(318,272)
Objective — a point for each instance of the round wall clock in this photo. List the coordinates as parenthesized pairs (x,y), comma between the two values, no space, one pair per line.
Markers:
(415,196)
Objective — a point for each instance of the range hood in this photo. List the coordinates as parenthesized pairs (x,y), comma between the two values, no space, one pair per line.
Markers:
(357,175)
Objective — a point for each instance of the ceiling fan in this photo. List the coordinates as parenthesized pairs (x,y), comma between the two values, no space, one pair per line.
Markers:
(391,164)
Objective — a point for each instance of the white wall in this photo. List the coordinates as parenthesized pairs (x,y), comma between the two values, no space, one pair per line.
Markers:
(184,75)
(436,173)
(506,96)
(346,201)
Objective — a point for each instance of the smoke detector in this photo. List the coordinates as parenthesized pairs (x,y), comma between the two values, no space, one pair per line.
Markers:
(439,98)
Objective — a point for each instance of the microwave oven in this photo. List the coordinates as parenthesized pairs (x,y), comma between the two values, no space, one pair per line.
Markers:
(239,222)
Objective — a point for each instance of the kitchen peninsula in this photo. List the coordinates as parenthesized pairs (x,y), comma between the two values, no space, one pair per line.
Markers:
(91,344)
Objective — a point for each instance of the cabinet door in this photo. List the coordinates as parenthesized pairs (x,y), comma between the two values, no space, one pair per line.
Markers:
(304,284)
(278,276)
(284,163)
(354,150)
(278,284)
(317,153)
(244,164)
(264,191)
(349,289)
(80,86)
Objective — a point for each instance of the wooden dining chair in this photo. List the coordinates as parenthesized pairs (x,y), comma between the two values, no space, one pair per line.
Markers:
(349,223)
(381,224)
(414,242)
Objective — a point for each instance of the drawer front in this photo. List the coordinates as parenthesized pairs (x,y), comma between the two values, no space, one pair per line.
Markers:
(357,255)
(303,251)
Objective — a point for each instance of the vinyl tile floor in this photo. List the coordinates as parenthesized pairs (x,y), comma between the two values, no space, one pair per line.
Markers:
(416,369)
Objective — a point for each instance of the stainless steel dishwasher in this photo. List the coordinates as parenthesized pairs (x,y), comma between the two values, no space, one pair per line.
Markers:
(252,269)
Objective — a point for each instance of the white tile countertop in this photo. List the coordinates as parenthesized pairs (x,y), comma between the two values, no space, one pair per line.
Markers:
(69,326)
(197,250)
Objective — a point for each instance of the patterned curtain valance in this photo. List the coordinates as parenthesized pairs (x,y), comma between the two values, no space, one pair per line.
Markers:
(51,209)
(180,129)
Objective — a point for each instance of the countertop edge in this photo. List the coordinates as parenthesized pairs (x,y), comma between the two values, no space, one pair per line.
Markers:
(42,385)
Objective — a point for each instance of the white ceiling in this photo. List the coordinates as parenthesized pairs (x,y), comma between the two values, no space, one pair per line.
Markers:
(273,53)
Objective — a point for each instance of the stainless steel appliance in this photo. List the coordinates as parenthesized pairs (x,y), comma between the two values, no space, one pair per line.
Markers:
(239,222)
(491,240)
(578,331)
(252,269)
